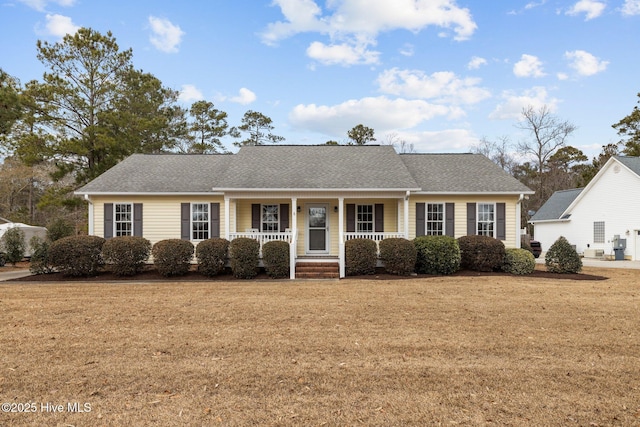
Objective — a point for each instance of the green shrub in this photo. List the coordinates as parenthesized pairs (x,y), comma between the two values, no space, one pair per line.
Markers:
(244,255)
(3,259)
(126,254)
(481,253)
(398,256)
(361,257)
(13,244)
(275,257)
(77,255)
(172,257)
(518,261)
(437,255)
(59,228)
(562,258)
(39,262)
(212,255)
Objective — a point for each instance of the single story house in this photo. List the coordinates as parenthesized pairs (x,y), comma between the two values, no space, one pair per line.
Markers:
(599,219)
(313,197)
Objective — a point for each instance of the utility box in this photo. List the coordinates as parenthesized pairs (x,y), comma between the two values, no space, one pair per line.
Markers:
(619,245)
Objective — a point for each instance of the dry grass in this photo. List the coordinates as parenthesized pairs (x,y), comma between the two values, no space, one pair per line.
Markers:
(450,350)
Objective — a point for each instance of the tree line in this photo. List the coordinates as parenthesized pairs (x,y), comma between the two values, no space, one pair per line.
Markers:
(92,108)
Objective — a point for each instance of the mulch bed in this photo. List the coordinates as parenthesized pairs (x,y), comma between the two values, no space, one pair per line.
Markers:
(149,274)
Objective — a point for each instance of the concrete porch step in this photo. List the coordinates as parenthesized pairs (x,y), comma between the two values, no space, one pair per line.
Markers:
(317,270)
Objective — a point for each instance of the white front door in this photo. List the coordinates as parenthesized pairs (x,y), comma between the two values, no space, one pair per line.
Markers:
(317,228)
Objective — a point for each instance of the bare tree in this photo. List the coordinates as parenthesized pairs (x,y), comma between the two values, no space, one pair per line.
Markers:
(497,151)
(400,145)
(547,134)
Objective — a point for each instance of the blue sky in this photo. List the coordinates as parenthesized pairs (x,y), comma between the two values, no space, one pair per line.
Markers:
(438,74)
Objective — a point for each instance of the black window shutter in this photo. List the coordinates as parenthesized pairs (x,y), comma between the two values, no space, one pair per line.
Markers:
(420,219)
(255,216)
(351,217)
(501,221)
(185,221)
(471,219)
(378,210)
(284,216)
(137,219)
(214,219)
(450,223)
(108,220)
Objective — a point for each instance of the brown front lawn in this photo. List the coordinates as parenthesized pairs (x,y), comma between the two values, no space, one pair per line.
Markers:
(470,350)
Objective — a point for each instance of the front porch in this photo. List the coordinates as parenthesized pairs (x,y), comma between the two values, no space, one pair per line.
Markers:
(315,227)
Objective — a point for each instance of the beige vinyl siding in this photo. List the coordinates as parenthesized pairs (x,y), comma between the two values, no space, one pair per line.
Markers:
(460,206)
(160,214)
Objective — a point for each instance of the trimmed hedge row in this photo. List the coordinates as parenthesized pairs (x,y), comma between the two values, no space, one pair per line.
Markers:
(438,255)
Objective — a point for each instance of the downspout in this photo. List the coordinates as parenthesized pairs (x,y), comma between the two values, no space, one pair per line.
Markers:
(91,230)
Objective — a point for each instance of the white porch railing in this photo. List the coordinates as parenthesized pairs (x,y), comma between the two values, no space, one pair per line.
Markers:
(376,237)
(262,238)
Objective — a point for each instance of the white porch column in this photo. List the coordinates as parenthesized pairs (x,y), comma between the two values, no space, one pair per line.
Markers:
(227,220)
(406,215)
(341,254)
(293,248)
(91,229)
(519,222)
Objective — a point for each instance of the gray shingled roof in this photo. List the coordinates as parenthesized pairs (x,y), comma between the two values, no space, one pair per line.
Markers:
(161,173)
(305,167)
(461,173)
(632,163)
(317,167)
(556,205)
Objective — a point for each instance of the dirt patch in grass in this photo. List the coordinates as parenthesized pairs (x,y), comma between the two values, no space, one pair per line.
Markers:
(471,350)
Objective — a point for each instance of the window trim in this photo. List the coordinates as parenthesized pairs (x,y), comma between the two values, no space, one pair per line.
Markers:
(116,222)
(275,222)
(373,218)
(493,222)
(192,222)
(443,205)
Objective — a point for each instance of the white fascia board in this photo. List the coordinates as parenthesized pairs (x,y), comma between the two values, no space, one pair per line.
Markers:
(137,193)
(306,190)
(545,221)
(471,193)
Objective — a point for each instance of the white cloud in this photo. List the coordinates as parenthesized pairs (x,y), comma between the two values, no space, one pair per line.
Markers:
(353,25)
(562,76)
(60,26)
(41,5)
(585,63)
(381,113)
(443,86)
(369,17)
(190,93)
(591,8)
(631,7)
(245,96)
(343,54)
(513,103)
(166,37)
(528,66)
(407,50)
(476,62)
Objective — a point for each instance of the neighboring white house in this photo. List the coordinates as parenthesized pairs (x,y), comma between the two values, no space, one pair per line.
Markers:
(29,231)
(596,217)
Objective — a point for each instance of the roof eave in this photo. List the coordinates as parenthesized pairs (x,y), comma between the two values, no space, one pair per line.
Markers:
(148,193)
